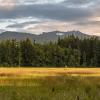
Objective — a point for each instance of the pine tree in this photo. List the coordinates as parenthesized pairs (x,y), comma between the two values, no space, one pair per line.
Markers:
(26,48)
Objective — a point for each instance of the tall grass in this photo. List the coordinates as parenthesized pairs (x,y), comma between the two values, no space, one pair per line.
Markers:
(50,88)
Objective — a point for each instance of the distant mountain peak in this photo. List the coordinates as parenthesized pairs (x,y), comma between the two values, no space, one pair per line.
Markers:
(44,37)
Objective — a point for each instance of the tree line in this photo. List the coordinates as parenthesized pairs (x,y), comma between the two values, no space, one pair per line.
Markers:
(68,52)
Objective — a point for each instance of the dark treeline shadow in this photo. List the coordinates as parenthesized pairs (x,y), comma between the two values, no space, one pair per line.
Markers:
(68,52)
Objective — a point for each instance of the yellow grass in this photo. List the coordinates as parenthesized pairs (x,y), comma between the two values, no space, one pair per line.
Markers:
(34,72)
(11,76)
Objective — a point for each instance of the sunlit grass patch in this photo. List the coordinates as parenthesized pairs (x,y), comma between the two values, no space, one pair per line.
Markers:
(41,72)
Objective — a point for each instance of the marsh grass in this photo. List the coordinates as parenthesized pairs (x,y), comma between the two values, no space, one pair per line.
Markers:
(51,88)
(49,84)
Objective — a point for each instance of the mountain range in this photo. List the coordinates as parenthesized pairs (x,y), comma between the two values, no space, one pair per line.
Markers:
(44,37)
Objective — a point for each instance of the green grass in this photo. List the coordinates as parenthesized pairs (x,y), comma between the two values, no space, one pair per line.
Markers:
(50,88)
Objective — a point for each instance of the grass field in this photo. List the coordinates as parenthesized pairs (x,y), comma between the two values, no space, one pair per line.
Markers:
(8,72)
(49,84)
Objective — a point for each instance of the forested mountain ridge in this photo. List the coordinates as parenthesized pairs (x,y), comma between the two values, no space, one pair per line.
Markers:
(44,37)
(70,51)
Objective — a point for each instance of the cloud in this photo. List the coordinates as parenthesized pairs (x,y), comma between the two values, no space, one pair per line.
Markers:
(88,23)
(46,15)
(48,11)
(81,3)
(77,1)
(48,26)
(22,25)
(7,4)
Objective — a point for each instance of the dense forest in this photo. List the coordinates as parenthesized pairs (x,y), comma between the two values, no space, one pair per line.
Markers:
(68,52)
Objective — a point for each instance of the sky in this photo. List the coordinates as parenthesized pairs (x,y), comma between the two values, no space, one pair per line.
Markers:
(37,16)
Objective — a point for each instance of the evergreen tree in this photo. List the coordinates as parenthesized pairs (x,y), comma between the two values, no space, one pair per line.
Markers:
(26,49)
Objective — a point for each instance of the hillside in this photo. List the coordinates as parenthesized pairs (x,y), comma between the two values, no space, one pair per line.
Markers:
(44,37)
